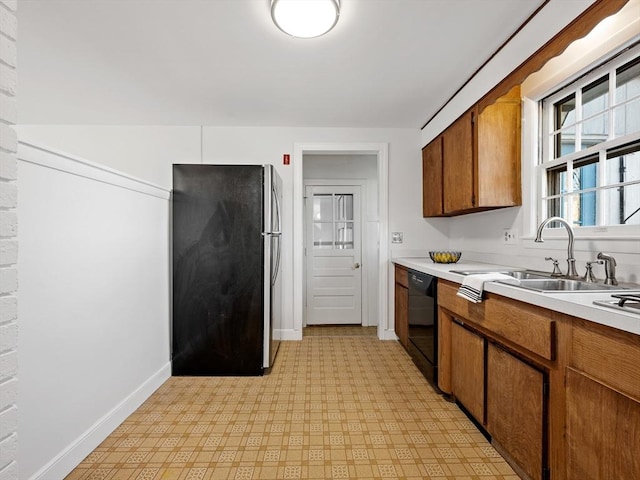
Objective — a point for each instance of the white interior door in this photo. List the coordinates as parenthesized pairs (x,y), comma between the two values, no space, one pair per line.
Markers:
(333,253)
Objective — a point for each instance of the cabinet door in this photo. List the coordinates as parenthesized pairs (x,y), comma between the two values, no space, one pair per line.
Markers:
(498,153)
(432,179)
(515,409)
(402,314)
(603,431)
(458,165)
(467,369)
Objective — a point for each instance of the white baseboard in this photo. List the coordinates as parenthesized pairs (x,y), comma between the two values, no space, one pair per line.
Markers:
(288,334)
(388,335)
(70,457)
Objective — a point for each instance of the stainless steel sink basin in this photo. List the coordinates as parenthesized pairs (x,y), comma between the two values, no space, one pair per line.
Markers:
(519,274)
(528,274)
(557,285)
(545,283)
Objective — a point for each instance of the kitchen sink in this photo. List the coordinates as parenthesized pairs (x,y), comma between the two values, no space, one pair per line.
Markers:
(544,282)
(519,274)
(557,285)
(528,275)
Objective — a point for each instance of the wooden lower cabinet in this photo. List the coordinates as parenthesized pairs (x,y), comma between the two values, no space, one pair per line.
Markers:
(559,396)
(402,306)
(602,403)
(516,410)
(467,369)
(603,431)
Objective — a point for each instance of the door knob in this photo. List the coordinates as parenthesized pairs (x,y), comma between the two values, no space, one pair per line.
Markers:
(356,266)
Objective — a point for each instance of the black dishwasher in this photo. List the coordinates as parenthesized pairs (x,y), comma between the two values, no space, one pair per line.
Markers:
(423,324)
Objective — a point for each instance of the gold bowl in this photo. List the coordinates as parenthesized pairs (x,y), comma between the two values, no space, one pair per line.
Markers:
(445,256)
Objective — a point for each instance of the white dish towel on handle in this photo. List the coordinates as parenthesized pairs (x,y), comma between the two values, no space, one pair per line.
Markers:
(473,285)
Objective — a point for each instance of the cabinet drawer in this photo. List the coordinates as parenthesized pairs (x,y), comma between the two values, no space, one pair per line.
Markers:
(607,354)
(526,326)
(448,299)
(402,276)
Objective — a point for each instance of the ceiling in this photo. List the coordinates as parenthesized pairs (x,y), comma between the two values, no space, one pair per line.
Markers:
(388,63)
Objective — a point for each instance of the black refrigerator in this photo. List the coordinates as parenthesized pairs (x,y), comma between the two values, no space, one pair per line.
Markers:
(226,224)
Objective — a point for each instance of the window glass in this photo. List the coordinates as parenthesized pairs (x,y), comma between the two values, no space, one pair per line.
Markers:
(565,119)
(623,204)
(333,221)
(627,114)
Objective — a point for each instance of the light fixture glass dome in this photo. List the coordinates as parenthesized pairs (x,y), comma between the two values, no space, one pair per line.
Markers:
(305,18)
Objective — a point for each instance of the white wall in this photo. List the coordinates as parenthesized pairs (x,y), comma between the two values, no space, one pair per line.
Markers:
(156,148)
(94,305)
(9,322)
(356,167)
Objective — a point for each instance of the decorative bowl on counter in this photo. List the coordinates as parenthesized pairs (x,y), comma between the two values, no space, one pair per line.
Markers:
(445,256)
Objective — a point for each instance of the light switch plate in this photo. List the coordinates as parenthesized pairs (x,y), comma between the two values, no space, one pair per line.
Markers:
(396,237)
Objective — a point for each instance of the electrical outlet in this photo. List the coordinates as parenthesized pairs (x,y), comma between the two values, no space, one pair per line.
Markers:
(510,236)
(396,237)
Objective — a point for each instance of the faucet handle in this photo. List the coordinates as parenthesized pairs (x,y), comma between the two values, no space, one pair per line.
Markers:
(588,275)
(556,268)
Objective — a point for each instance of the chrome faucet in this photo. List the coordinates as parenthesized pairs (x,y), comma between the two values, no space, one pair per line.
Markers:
(609,268)
(571,261)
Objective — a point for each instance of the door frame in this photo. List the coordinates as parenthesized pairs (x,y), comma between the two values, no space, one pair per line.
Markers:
(381,150)
(364,283)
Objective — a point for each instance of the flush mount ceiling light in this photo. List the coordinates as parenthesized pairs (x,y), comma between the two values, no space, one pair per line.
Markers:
(305,18)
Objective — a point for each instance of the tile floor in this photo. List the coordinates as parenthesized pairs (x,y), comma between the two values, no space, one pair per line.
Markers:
(334,406)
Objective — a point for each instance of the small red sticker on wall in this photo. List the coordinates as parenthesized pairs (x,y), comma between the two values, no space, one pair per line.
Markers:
(286,159)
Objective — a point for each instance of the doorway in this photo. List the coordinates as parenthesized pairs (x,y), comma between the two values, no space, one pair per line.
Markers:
(378,315)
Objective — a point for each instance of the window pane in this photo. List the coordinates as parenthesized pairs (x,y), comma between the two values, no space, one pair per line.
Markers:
(323,207)
(565,112)
(556,180)
(624,167)
(595,130)
(628,81)
(344,235)
(584,209)
(623,204)
(565,119)
(585,174)
(344,206)
(554,208)
(627,118)
(565,142)
(595,97)
(322,235)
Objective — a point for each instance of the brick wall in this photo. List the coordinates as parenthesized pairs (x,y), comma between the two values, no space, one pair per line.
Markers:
(8,244)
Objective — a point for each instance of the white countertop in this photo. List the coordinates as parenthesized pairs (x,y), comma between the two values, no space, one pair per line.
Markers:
(571,303)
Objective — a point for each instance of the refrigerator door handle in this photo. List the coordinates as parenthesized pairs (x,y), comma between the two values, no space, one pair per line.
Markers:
(276,270)
(278,234)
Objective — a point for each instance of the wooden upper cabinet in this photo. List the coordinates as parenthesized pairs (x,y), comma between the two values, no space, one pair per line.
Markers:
(432,179)
(457,157)
(498,153)
(480,161)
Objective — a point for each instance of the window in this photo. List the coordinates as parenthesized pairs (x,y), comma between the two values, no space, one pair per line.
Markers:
(333,221)
(590,155)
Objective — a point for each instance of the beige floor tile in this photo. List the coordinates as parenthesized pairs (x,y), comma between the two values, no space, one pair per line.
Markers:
(338,404)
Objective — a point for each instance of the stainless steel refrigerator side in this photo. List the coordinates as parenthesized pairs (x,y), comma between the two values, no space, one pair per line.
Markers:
(266,238)
(276,283)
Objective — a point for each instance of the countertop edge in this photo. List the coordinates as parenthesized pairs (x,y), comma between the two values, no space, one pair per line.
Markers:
(575,304)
